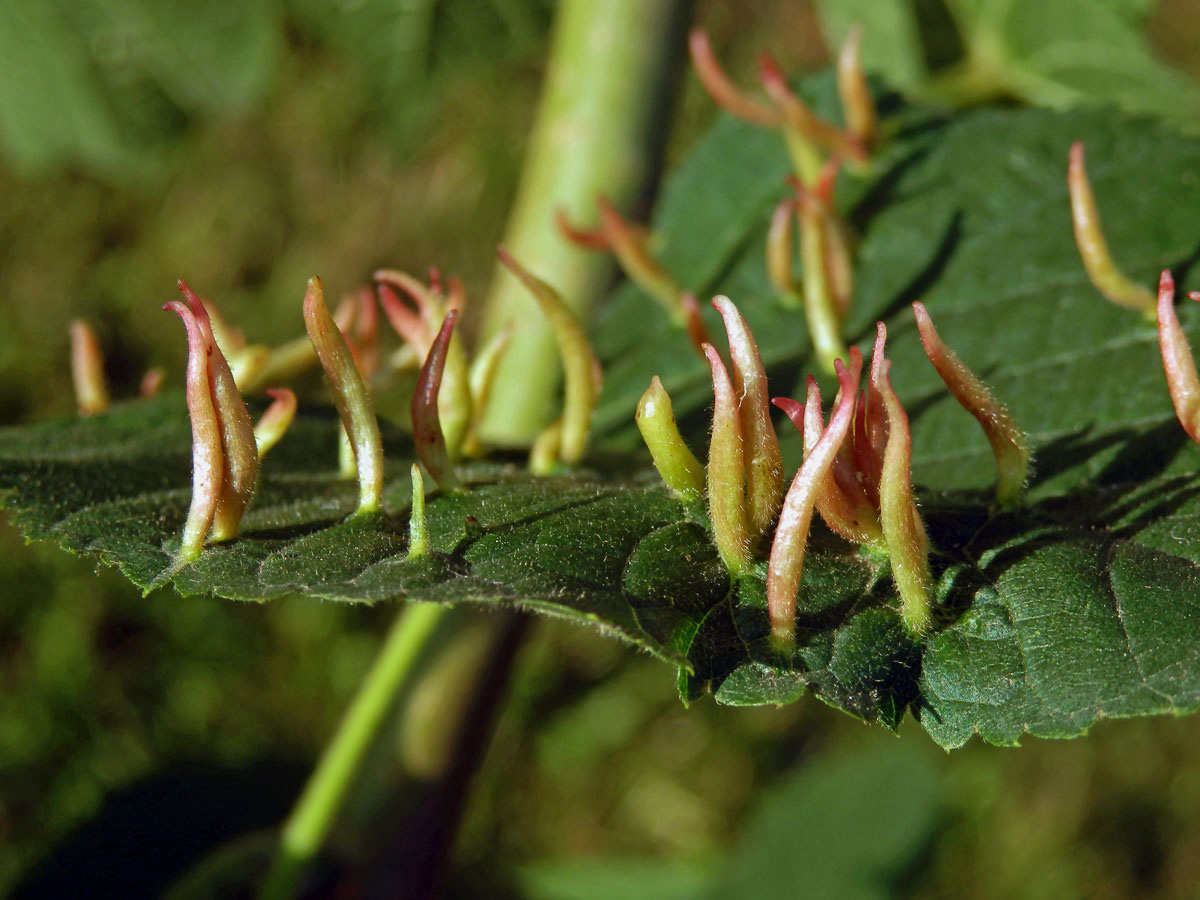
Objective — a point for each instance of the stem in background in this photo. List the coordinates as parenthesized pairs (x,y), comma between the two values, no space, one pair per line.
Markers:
(317,809)
(414,868)
(596,133)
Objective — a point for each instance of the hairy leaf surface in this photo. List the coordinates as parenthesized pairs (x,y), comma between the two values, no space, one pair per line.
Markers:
(1081,605)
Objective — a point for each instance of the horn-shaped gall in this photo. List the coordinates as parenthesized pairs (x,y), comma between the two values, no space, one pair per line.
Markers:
(803,130)
(349,395)
(418,532)
(581,369)
(274,423)
(855,94)
(726,471)
(428,437)
(903,531)
(786,563)
(1093,249)
(152,381)
(87,370)
(1009,444)
(546,448)
(240,452)
(418,329)
(629,243)
(820,305)
(723,91)
(762,460)
(675,462)
(207,456)
(779,248)
(841,500)
(1178,362)
(480,378)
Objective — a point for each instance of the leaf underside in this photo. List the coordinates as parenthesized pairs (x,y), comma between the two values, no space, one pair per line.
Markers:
(1081,605)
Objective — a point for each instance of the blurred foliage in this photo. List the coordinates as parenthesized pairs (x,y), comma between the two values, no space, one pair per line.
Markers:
(249,171)
(1057,53)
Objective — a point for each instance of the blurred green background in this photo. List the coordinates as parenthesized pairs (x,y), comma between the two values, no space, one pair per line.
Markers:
(246,146)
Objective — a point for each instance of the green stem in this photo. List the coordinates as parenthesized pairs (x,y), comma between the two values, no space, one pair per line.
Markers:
(315,812)
(595,133)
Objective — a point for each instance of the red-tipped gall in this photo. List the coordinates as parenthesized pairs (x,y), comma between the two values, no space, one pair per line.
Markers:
(1009,444)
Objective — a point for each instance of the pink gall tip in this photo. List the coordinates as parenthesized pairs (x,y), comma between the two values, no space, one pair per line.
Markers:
(822,189)
(786,563)
(428,302)
(793,409)
(274,423)
(723,92)
(240,459)
(366,331)
(762,459)
(409,325)
(1179,364)
(152,382)
(207,455)
(630,244)
(588,238)
(802,122)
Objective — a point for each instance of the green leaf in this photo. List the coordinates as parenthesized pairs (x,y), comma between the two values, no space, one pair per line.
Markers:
(409,51)
(118,486)
(1053,54)
(45,69)
(1083,604)
(797,833)
(99,83)
(1070,50)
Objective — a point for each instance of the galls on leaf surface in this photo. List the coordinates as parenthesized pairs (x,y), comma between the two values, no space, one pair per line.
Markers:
(447,403)
(224,449)
(1178,363)
(856,472)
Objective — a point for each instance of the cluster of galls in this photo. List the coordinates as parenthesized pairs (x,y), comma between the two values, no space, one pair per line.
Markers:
(855,474)
(856,469)
(448,402)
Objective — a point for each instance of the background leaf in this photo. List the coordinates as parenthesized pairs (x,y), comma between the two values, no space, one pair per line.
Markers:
(97,84)
(1054,54)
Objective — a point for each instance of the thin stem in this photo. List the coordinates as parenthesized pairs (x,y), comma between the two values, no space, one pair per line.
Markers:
(599,123)
(315,812)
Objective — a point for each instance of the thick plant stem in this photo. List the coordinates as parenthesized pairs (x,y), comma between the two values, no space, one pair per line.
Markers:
(595,134)
(315,812)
